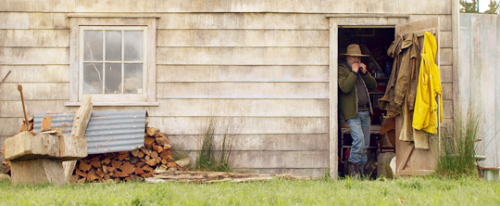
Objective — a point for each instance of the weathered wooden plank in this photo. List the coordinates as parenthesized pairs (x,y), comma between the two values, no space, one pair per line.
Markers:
(444,20)
(243,125)
(446,40)
(447,91)
(17,20)
(38,56)
(37,171)
(318,6)
(2,139)
(447,108)
(313,172)
(34,38)
(333,123)
(446,55)
(38,5)
(12,108)
(242,21)
(243,56)
(35,91)
(38,73)
(244,38)
(446,74)
(10,126)
(241,73)
(242,90)
(349,20)
(293,142)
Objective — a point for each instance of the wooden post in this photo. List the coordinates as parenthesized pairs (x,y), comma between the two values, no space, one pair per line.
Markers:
(82,118)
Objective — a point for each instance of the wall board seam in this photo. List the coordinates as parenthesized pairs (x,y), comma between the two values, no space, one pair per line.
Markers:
(314,46)
(242,82)
(337,15)
(176,64)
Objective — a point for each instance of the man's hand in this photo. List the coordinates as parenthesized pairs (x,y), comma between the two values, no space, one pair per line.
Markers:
(355,67)
(363,68)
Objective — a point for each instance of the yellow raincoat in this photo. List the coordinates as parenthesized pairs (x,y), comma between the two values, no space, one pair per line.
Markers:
(429,85)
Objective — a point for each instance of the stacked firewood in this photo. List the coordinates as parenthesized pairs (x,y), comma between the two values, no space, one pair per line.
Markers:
(128,165)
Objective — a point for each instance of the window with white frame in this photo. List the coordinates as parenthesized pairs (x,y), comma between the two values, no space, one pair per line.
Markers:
(113,60)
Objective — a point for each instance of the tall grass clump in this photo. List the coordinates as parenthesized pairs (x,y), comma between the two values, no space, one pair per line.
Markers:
(457,147)
(207,158)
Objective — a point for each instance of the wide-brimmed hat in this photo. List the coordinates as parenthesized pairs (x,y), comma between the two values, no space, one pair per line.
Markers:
(354,50)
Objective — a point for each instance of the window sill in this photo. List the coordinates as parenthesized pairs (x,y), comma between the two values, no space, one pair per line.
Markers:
(115,104)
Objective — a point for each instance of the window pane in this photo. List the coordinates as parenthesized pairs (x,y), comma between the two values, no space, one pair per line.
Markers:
(113,45)
(133,79)
(113,79)
(92,42)
(133,45)
(92,78)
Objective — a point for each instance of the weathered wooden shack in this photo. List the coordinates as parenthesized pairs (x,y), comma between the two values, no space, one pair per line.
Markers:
(269,67)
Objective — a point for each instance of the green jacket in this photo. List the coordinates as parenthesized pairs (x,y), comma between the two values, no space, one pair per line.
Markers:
(348,98)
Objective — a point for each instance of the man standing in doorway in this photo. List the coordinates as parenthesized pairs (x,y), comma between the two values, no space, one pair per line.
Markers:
(354,103)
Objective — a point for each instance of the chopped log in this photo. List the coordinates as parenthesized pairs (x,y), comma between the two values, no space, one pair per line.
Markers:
(95,162)
(123,152)
(141,154)
(81,181)
(136,178)
(127,168)
(148,175)
(140,164)
(105,161)
(157,160)
(164,161)
(111,169)
(139,171)
(164,155)
(154,154)
(106,177)
(81,173)
(134,160)
(146,151)
(148,168)
(99,172)
(23,127)
(151,162)
(162,139)
(128,178)
(105,169)
(159,149)
(84,166)
(134,152)
(74,179)
(76,144)
(167,147)
(91,176)
(183,162)
(171,164)
(120,174)
(151,131)
(116,163)
(147,158)
(46,122)
(148,141)
(121,157)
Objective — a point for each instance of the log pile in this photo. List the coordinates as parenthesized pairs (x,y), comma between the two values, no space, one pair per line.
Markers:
(128,165)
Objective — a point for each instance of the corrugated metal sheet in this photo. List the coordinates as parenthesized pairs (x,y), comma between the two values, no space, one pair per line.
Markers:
(106,132)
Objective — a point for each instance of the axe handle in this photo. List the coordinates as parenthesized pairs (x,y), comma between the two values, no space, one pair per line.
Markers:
(20,88)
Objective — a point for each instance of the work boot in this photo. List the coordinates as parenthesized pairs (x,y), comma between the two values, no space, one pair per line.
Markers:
(354,170)
(363,171)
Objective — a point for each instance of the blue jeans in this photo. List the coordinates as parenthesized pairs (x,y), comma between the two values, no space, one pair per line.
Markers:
(360,132)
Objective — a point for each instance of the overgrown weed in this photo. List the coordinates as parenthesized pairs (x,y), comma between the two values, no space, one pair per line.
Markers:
(207,158)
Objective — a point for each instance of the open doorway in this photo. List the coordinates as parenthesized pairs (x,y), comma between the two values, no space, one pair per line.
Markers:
(373,41)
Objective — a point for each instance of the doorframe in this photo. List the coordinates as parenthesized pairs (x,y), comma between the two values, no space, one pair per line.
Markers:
(352,20)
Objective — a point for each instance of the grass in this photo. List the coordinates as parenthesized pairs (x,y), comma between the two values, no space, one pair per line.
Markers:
(458,148)
(207,159)
(416,191)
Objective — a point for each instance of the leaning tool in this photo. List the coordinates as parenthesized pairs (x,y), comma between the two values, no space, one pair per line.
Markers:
(20,88)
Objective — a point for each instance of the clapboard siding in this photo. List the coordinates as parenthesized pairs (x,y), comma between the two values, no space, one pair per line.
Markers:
(242,56)
(242,90)
(314,172)
(243,38)
(34,74)
(38,5)
(34,38)
(20,20)
(36,56)
(321,6)
(445,21)
(10,126)
(446,74)
(222,73)
(446,55)
(294,142)
(189,107)
(243,125)
(447,90)
(35,91)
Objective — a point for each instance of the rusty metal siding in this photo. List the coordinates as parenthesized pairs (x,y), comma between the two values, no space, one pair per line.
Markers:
(107,131)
